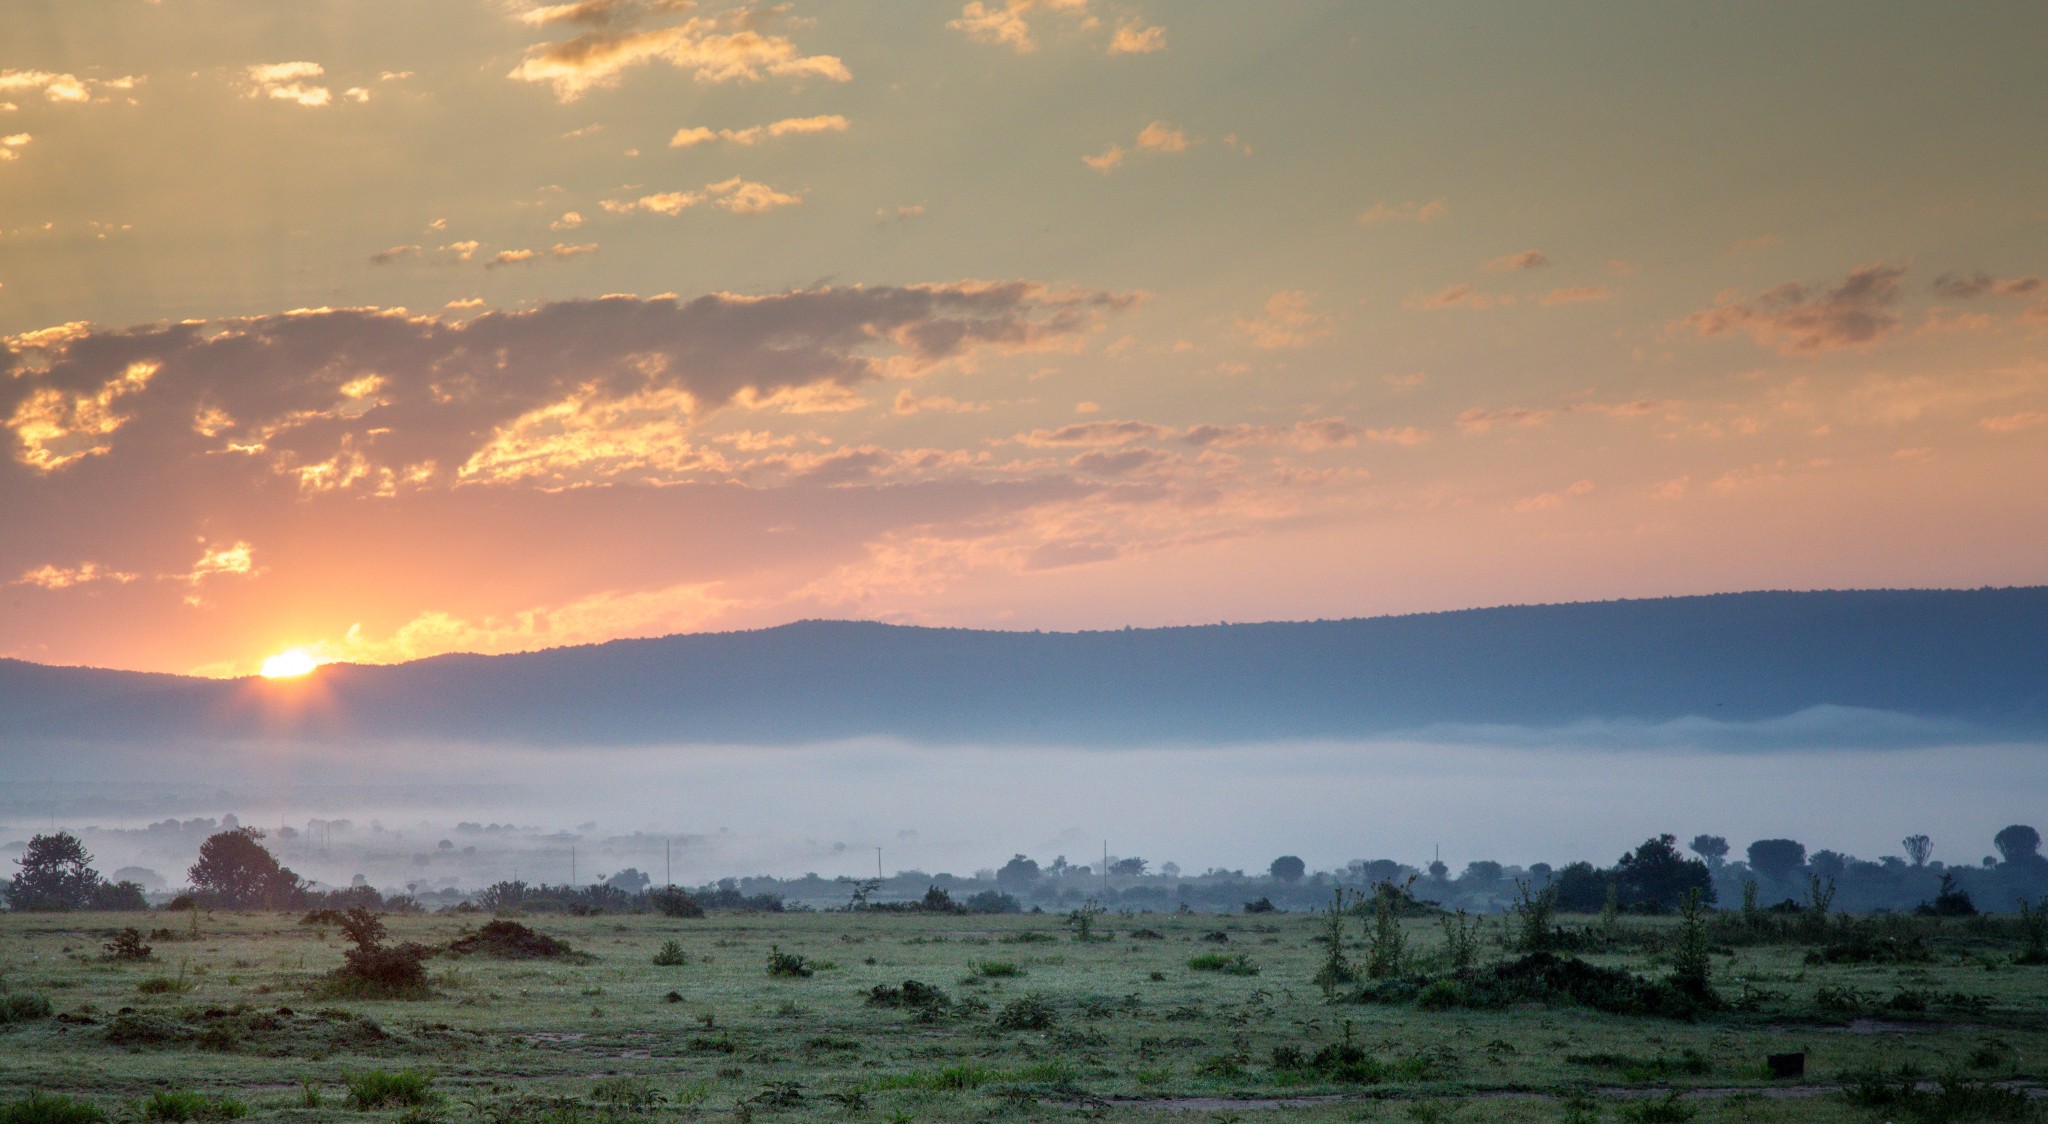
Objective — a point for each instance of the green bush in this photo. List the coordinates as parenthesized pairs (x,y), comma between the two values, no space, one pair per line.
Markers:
(377,1088)
(22,1007)
(998,969)
(1032,1012)
(178,1106)
(671,955)
(787,965)
(51,1108)
(1238,964)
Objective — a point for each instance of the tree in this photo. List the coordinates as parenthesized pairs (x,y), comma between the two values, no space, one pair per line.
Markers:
(56,874)
(1828,864)
(630,880)
(1776,858)
(1132,867)
(1918,848)
(1481,873)
(1288,868)
(1581,888)
(2018,844)
(235,871)
(1712,848)
(1018,870)
(1656,874)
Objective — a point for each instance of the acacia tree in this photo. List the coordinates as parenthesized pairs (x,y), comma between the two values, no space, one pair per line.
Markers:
(1776,858)
(236,871)
(1918,848)
(1712,848)
(2018,843)
(56,874)
(1288,868)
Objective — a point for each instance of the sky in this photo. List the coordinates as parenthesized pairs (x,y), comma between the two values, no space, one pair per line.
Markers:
(375,329)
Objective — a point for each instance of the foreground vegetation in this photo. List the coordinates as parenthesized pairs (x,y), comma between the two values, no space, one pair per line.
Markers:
(1412,1014)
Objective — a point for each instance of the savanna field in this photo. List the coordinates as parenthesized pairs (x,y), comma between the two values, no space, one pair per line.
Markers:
(872,1015)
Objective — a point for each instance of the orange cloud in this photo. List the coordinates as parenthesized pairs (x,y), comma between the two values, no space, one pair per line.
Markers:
(66,89)
(1008,23)
(1797,320)
(1511,263)
(1460,295)
(740,196)
(737,45)
(1134,38)
(2013,423)
(289,81)
(1286,322)
(788,126)
(64,577)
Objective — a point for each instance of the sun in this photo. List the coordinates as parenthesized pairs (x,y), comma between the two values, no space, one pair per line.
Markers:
(289,664)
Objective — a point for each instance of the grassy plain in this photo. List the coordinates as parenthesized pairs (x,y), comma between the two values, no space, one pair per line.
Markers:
(1035,1025)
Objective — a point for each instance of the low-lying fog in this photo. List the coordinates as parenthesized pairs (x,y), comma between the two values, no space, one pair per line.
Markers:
(824,809)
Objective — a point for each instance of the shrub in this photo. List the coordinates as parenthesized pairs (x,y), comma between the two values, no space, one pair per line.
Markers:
(51,1108)
(912,994)
(1336,967)
(1031,1012)
(992,901)
(998,969)
(378,1088)
(1231,965)
(1534,930)
(178,1106)
(1691,965)
(672,902)
(22,1007)
(1952,1098)
(1667,1109)
(671,955)
(1461,939)
(126,946)
(787,965)
(1262,905)
(373,969)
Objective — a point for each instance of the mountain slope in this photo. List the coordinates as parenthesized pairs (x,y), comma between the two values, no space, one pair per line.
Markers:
(1975,658)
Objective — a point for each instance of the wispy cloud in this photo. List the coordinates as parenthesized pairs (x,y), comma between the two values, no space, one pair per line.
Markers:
(696,135)
(1285,322)
(740,196)
(1511,263)
(737,45)
(1796,319)
(1424,213)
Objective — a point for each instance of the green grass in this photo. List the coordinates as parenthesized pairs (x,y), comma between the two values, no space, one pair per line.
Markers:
(1100,1027)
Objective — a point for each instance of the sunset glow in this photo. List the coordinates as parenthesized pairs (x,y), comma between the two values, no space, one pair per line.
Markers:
(430,328)
(289,665)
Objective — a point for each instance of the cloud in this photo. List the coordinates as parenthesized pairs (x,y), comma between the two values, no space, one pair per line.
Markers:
(1095,433)
(737,45)
(12,143)
(1478,420)
(2013,423)
(235,560)
(741,197)
(395,253)
(1107,160)
(380,401)
(788,126)
(563,250)
(1008,23)
(1157,137)
(909,403)
(1797,320)
(1547,501)
(1968,286)
(64,577)
(1577,294)
(1286,322)
(460,251)
(509,257)
(1511,263)
(1460,295)
(1423,213)
(1134,38)
(1399,435)
(289,81)
(570,220)
(1161,137)
(1760,242)
(66,89)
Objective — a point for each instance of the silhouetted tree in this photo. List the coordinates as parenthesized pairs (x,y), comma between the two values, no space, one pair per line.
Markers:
(1438,871)
(1828,864)
(630,880)
(236,871)
(1656,874)
(2018,843)
(1918,848)
(1481,874)
(56,874)
(1133,867)
(1017,871)
(1581,888)
(1712,848)
(1776,858)
(1288,868)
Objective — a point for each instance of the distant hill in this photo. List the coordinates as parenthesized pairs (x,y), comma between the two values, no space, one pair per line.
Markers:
(1967,663)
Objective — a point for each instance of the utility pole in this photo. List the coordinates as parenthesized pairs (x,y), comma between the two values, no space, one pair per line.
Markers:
(878,865)
(668,870)
(1105,866)
(572,867)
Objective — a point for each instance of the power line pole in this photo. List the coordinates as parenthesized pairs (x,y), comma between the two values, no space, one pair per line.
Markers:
(878,864)
(668,871)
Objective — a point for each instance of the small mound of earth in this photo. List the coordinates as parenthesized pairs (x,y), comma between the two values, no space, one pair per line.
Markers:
(509,940)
